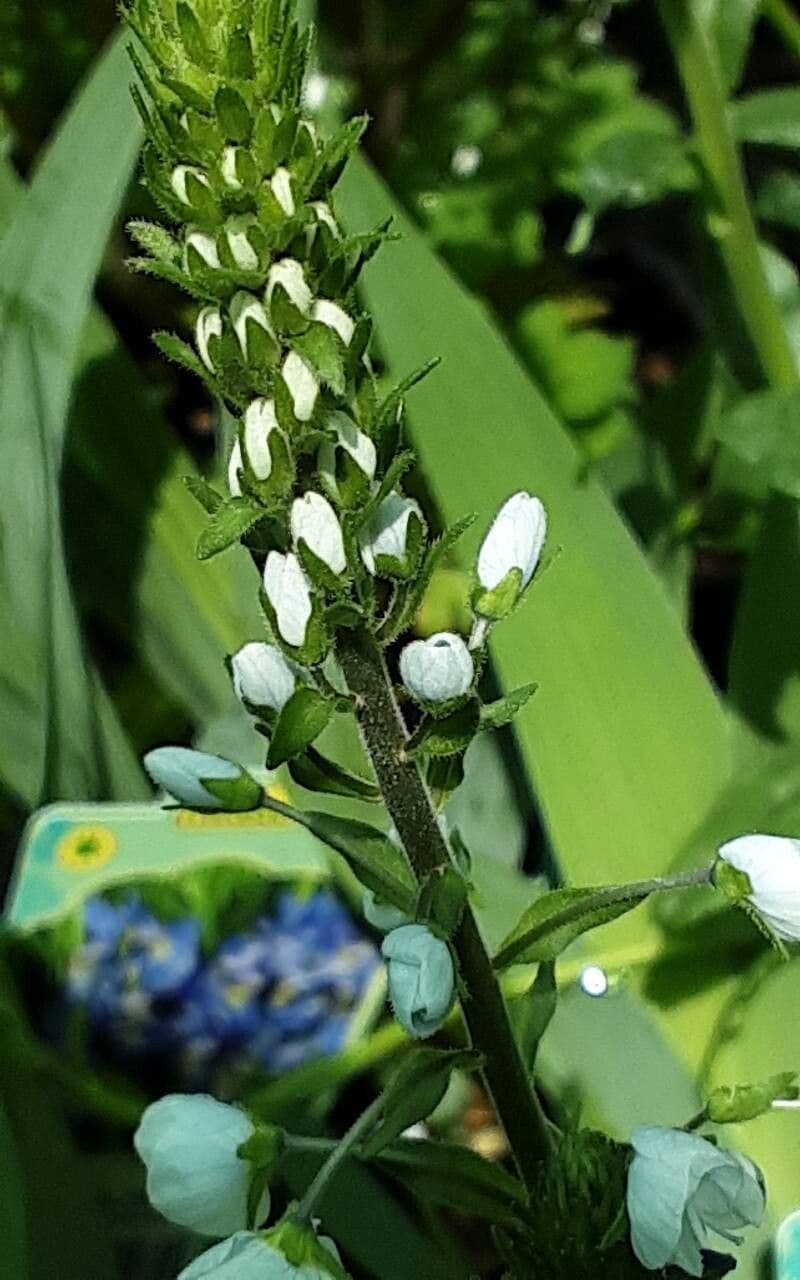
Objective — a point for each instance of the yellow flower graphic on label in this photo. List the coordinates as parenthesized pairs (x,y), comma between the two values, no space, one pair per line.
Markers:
(86,848)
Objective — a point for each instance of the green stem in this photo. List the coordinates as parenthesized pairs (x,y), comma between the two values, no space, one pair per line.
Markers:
(307,1206)
(407,799)
(730,220)
(785,21)
(608,896)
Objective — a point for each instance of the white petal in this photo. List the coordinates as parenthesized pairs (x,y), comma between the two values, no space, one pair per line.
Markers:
(290,274)
(303,386)
(228,169)
(235,465)
(288,593)
(325,216)
(209,325)
(205,245)
(259,421)
(281,185)
(262,676)
(772,864)
(335,318)
(514,541)
(178,180)
(438,669)
(387,532)
(314,520)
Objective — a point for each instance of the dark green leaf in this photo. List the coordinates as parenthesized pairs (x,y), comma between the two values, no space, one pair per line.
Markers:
(448,736)
(299,724)
(768,116)
(316,772)
(764,430)
(234,518)
(555,920)
(779,199)
(233,114)
(632,169)
(532,1012)
(455,1177)
(322,350)
(415,1091)
(496,714)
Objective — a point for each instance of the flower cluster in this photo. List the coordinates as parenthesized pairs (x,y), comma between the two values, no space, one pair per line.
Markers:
(281,994)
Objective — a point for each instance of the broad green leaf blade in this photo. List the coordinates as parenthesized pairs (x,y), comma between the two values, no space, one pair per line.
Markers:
(729,26)
(770,117)
(48,260)
(416,1090)
(626,743)
(556,919)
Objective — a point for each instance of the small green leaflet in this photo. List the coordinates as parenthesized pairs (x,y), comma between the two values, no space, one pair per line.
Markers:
(230,522)
(556,919)
(300,722)
(415,1091)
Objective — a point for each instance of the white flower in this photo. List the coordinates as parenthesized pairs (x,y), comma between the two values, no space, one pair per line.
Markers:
(772,865)
(259,422)
(205,245)
(386,533)
(514,541)
(281,185)
(228,169)
(290,274)
(246,309)
(242,251)
(314,520)
(288,593)
(302,384)
(680,1187)
(178,181)
(195,1178)
(438,669)
(355,443)
(209,325)
(335,318)
(262,676)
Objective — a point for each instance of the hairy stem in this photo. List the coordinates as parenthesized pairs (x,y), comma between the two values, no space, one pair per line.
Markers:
(729,217)
(407,799)
(606,896)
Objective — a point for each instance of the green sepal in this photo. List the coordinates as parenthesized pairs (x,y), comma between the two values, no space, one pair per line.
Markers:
(442,898)
(407,568)
(262,1151)
(731,882)
(444,775)
(205,493)
(239,56)
(344,614)
(416,1089)
(315,772)
(505,710)
(285,317)
(192,37)
(498,603)
(317,571)
(299,723)
(175,275)
(352,485)
(323,351)
(155,240)
(233,114)
(448,734)
(335,154)
(316,643)
(272,141)
(231,521)
(298,1244)
(203,134)
(389,411)
(732,1104)
(461,855)
(236,795)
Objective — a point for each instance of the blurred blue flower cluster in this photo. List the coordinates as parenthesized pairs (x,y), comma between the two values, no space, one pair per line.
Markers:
(269,999)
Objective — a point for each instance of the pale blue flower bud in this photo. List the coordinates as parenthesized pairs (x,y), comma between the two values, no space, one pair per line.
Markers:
(421,978)
(314,520)
(251,1256)
(514,541)
(195,1178)
(262,676)
(288,592)
(680,1188)
(438,669)
(772,865)
(193,778)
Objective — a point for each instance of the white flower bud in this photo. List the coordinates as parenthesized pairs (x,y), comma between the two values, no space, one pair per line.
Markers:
(178,181)
(335,318)
(246,308)
(290,274)
(260,421)
(386,533)
(281,185)
(209,325)
(302,384)
(228,169)
(772,865)
(514,541)
(314,520)
(323,214)
(438,669)
(205,245)
(262,676)
(288,592)
(348,437)
(242,251)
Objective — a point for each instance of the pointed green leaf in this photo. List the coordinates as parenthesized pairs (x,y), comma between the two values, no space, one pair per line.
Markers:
(315,772)
(299,724)
(504,711)
(555,920)
(234,518)
(415,1091)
